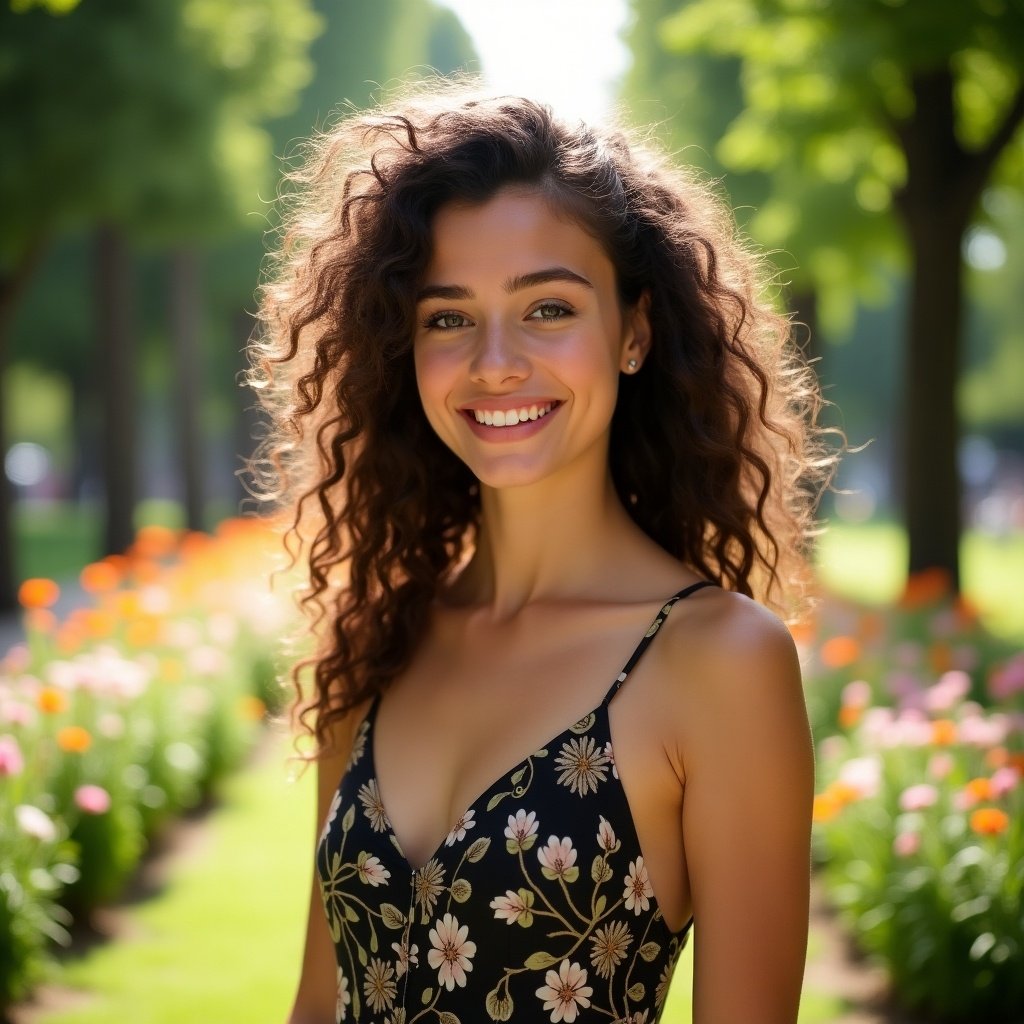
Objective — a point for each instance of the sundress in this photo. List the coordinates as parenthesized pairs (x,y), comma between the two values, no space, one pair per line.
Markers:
(537,906)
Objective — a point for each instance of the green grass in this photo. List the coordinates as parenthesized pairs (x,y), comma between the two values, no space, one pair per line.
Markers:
(223,941)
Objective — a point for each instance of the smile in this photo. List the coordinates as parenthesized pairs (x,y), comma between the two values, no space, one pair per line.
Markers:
(511,417)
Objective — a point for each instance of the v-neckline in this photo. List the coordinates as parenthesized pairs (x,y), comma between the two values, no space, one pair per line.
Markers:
(439,848)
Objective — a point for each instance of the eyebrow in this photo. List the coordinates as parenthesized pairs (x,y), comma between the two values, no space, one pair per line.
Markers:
(513,284)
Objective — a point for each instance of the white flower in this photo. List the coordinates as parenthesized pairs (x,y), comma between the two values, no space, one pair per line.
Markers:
(459,828)
(332,813)
(34,822)
(369,797)
(344,997)
(606,836)
(451,952)
(611,758)
(513,907)
(566,990)
(558,859)
(428,884)
(638,891)
(370,870)
(521,831)
(610,943)
(582,765)
(378,985)
(407,956)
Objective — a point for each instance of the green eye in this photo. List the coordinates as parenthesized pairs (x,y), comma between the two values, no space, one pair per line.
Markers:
(550,311)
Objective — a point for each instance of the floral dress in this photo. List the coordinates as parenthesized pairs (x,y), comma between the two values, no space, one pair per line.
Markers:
(536,907)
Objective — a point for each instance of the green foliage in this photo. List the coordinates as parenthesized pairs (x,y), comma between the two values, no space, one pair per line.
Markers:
(801,103)
(142,113)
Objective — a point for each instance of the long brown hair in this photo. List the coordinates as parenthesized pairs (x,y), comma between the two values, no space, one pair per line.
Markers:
(714,451)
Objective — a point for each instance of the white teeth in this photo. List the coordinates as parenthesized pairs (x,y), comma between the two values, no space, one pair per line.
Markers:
(511,417)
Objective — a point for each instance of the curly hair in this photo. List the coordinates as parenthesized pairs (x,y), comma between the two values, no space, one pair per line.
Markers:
(714,450)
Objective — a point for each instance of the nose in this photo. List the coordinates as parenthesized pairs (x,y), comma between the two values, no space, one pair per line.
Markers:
(498,356)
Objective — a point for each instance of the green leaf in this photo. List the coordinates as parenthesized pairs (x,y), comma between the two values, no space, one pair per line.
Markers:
(636,992)
(478,849)
(571,874)
(461,890)
(499,1007)
(363,958)
(540,753)
(446,1017)
(602,902)
(496,799)
(428,994)
(649,951)
(539,961)
(517,776)
(349,819)
(599,870)
(373,942)
(391,916)
(584,724)
(350,913)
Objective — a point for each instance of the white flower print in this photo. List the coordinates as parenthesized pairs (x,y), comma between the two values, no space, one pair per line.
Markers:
(610,943)
(558,859)
(378,984)
(638,891)
(407,956)
(359,744)
(663,982)
(332,813)
(458,831)
(566,990)
(370,870)
(582,765)
(606,836)
(610,754)
(344,997)
(428,885)
(521,831)
(451,952)
(514,907)
(369,797)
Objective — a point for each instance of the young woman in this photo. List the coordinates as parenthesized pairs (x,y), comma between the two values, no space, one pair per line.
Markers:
(545,440)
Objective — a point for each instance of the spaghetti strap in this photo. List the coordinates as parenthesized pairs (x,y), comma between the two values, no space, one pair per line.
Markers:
(651,631)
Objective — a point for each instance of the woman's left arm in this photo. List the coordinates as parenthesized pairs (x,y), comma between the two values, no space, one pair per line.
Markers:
(748,765)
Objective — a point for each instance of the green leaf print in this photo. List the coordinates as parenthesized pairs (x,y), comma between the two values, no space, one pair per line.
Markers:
(518,775)
(599,870)
(539,961)
(392,916)
(478,849)
(636,992)
(496,799)
(461,890)
(428,994)
(499,1007)
(649,951)
(445,1017)
(349,819)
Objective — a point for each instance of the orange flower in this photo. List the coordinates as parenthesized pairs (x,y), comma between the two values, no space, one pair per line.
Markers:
(997,757)
(38,593)
(252,708)
(943,732)
(839,651)
(126,604)
(97,623)
(980,789)
(926,587)
(843,793)
(99,577)
(989,821)
(144,631)
(825,808)
(1016,761)
(802,632)
(966,611)
(51,701)
(40,620)
(73,739)
(849,716)
(155,542)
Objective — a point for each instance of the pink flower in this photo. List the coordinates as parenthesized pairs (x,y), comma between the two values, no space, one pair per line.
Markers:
(951,688)
(370,870)
(1008,679)
(564,991)
(917,798)
(458,831)
(606,835)
(451,952)
(558,859)
(11,761)
(92,799)
(906,844)
(857,694)
(940,765)
(514,907)
(521,831)
(638,891)
(1003,780)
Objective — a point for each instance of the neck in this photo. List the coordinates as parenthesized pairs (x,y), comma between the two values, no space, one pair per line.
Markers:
(545,541)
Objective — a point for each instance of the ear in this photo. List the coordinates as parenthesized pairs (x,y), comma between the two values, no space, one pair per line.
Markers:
(636,333)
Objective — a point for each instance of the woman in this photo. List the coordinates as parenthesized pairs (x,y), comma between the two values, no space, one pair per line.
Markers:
(533,409)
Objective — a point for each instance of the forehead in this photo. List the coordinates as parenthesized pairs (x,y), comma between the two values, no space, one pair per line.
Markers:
(515,232)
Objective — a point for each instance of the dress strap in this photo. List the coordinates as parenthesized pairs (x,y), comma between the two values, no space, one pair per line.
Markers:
(652,630)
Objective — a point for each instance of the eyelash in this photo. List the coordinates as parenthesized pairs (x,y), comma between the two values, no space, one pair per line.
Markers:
(433,322)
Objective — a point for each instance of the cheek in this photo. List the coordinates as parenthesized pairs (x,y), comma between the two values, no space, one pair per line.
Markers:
(432,381)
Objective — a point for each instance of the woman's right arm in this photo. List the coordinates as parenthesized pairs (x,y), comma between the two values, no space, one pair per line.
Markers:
(316,998)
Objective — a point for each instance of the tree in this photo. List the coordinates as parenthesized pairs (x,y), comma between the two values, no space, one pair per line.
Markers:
(143,119)
(864,116)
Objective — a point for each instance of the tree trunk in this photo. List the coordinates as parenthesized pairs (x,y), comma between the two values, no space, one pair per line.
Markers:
(12,287)
(185,319)
(117,357)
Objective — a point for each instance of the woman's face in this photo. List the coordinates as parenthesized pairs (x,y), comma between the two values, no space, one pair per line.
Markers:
(520,339)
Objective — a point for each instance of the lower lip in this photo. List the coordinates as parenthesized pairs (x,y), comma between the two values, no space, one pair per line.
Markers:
(527,428)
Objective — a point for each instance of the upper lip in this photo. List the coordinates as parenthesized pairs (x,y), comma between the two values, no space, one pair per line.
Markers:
(506,403)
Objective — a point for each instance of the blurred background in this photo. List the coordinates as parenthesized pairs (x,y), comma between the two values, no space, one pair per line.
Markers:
(874,150)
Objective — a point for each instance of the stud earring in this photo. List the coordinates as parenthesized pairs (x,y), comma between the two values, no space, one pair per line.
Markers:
(632,365)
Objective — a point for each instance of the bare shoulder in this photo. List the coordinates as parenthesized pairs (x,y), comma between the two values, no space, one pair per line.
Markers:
(731,676)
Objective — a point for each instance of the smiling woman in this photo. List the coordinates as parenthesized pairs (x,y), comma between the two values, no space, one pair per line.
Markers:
(528,399)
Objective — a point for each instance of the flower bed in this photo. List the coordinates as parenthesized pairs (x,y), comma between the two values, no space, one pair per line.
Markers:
(120,716)
(919,821)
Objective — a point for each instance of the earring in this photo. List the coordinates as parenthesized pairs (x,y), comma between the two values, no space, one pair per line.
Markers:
(632,365)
